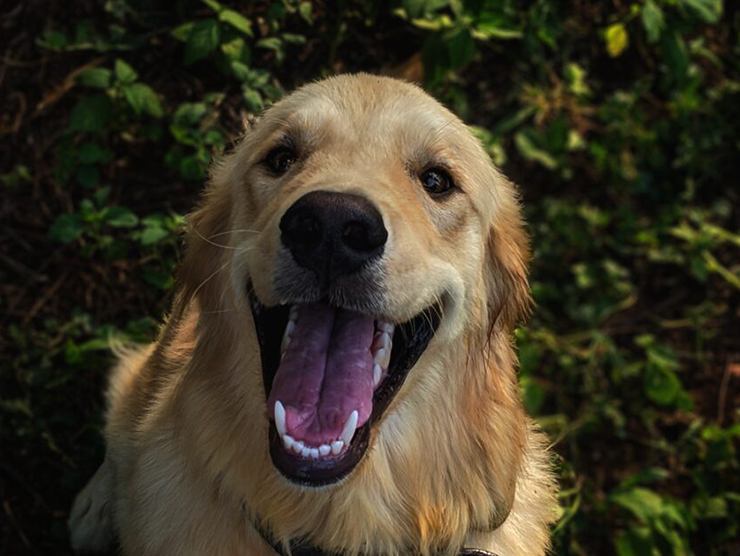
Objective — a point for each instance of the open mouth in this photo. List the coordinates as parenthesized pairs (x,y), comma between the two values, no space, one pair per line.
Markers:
(329,375)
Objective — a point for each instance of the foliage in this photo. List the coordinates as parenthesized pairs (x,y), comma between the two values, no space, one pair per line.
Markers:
(618,120)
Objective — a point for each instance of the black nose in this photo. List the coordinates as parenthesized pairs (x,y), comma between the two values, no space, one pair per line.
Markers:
(333,234)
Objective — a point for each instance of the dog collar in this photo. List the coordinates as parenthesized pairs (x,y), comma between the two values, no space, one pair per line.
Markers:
(300,547)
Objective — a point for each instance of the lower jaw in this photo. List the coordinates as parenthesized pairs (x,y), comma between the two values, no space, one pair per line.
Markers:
(409,342)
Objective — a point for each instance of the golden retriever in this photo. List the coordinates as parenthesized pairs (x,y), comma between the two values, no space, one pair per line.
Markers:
(337,374)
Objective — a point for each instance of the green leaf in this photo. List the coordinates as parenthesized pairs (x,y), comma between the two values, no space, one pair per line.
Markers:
(90,153)
(617,39)
(189,113)
(202,40)
(240,71)
(271,43)
(182,32)
(91,114)
(461,49)
(53,40)
(661,384)
(710,11)
(124,72)
(637,541)
(253,100)
(652,20)
(293,38)
(305,9)
(673,50)
(120,217)
(645,504)
(66,228)
(533,395)
(153,234)
(98,78)
(644,476)
(418,8)
(530,151)
(158,278)
(492,30)
(237,21)
(143,100)
(237,50)
(215,6)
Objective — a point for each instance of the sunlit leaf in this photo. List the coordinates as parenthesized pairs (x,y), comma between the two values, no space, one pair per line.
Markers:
(617,39)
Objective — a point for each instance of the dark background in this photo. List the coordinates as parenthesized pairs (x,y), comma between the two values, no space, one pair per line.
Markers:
(619,121)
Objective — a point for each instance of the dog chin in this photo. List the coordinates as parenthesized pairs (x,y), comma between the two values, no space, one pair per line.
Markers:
(330,372)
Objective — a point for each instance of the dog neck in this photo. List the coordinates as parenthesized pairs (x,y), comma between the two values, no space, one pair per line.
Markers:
(299,547)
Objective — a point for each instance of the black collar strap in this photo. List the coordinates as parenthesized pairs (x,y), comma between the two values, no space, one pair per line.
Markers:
(302,548)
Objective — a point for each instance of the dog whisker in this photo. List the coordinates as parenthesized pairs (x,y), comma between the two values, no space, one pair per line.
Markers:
(201,236)
(238,231)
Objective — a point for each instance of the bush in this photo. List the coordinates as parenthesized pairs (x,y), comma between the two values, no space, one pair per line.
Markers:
(620,121)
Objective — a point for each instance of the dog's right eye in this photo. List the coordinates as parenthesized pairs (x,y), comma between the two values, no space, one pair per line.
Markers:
(280,159)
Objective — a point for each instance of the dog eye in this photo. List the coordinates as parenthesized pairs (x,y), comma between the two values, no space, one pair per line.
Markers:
(437,182)
(280,159)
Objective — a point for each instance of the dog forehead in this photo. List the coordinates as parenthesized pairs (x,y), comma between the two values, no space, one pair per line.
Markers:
(356,106)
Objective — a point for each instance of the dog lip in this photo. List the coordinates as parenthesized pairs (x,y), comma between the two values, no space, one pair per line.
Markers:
(409,340)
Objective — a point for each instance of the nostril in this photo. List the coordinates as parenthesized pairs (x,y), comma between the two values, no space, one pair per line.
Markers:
(301,230)
(361,237)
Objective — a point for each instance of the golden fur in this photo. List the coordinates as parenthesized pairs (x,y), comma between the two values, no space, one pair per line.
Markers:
(454,462)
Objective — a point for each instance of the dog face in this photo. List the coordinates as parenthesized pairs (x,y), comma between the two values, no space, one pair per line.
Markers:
(366,230)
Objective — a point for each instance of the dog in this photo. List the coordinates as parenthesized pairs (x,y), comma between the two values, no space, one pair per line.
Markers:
(337,373)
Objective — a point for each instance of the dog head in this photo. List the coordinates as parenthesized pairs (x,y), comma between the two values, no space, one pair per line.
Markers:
(364,228)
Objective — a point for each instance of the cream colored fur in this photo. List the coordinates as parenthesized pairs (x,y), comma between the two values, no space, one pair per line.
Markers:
(454,462)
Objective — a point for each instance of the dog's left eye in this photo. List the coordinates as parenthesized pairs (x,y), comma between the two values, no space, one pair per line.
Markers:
(280,159)
(437,182)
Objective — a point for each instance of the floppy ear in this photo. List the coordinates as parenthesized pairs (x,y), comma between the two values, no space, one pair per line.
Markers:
(204,266)
(509,297)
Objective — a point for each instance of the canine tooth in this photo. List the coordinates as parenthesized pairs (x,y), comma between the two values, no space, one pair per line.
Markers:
(285,343)
(377,374)
(294,313)
(314,453)
(386,327)
(349,427)
(280,418)
(288,441)
(324,449)
(382,340)
(336,447)
(306,452)
(290,328)
(298,447)
(382,357)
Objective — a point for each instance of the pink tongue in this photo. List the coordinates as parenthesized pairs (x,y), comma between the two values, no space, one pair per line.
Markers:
(325,374)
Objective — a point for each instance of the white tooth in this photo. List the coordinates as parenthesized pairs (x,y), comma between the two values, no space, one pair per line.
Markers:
(336,447)
(294,313)
(386,339)
(280,418)
(306,452)
(377,373)
(298,447)
(349,427)
(324,449)
(290,328)
(386,327)
(382,357)
(382,341)
(285,343)
(314,453)
(288,441)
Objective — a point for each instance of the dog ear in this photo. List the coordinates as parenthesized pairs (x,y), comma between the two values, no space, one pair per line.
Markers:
(205,252)
(508,254)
